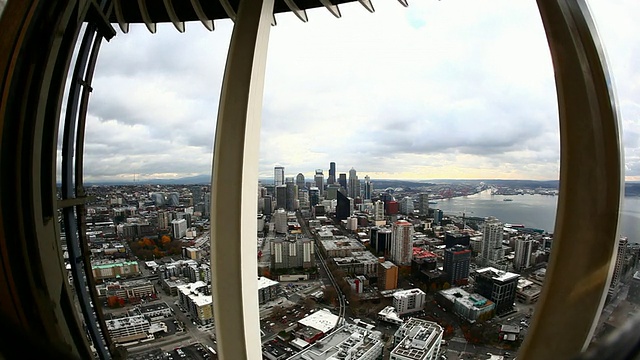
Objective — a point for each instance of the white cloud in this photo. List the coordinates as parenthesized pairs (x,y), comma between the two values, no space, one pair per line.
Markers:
(451,89)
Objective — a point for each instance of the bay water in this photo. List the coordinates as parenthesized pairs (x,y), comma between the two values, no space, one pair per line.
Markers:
(532,211)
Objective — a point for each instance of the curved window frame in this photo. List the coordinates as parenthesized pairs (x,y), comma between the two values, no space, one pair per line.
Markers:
(35,55)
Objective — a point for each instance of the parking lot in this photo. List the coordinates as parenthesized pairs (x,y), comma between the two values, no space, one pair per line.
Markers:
(191,352)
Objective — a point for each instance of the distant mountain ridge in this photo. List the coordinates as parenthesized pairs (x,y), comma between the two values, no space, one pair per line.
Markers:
(632,188)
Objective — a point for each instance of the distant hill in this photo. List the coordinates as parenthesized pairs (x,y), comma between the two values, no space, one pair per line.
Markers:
(632,188)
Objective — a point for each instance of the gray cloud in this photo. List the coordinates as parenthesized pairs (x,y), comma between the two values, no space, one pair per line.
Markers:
(440,89)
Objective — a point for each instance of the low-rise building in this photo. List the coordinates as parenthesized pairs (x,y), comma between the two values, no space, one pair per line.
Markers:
(267,289)
(527,291)
(322,320)
(128,329)
(127,290)
(417,339)
(387,275)
(390,315)
(408,301)
(341,246)
(155,311)
(498,286)
(114,270)
(347,342)
(473,307)
(359,263)
(196,299)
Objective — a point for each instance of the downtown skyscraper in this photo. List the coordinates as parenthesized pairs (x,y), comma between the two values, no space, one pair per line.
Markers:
(368,188)
(278,175)
(354,184)
(332,173)
(492,249)
(319,181)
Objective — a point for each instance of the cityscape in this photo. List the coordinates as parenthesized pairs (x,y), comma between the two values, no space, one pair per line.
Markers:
(320,180)
(348,268)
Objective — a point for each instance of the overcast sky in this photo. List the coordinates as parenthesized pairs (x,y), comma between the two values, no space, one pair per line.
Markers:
(438,90)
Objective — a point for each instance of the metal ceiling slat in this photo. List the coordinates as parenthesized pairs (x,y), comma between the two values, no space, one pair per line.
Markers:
(301,14)
(367,5)
(229,10)
(333,9)
(144,12)
(124,26)
(179,25)
(197,7)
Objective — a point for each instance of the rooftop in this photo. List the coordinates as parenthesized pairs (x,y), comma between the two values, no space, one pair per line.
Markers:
(342,244)
(348,339)
(112,264)
(404,293)
(498,275)
(417,338)
(116,324)
(264,282)
(322,320)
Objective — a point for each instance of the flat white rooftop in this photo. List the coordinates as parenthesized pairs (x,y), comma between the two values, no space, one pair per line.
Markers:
(322,320)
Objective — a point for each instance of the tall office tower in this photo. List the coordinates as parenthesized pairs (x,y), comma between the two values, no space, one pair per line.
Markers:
(331,192)
(280,219)
(278,175)
(617,271)
(281,196)
(368,188)
(196,193)
(380,239)
(158,199)
(406,205)
(401,250)
(164,218)
(453,238)
(292,194)
(268,205)
(456,264)
(319,181)
(437,216)
(178,228)
(332,174)
(378,211)
(423,203)
(314,196)
(207,204)
(342,180)
(303,199)
(300,181)
(354,184)
(497,286)
(524,246)
(492,241)
(343,210)
(173,199)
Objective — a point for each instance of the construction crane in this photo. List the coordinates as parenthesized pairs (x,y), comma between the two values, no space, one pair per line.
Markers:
(464,218)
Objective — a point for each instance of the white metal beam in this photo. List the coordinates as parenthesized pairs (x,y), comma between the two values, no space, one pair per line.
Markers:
(235,183)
